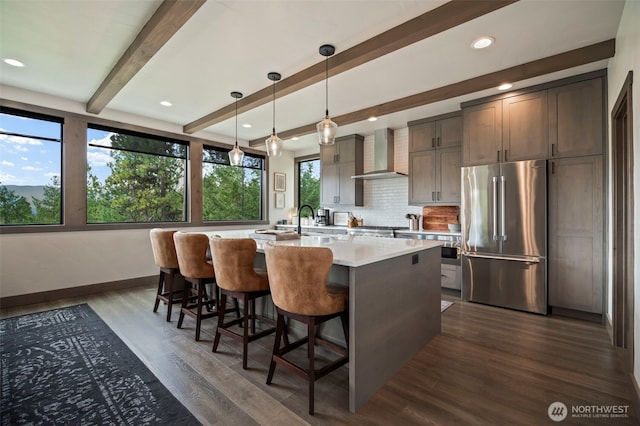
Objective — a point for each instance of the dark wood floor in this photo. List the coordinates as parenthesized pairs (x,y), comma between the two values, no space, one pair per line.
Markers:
(489,366)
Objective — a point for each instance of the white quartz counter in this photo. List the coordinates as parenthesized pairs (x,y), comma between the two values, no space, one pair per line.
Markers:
(347,250)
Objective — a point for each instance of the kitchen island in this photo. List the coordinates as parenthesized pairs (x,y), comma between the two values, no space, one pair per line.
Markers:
(394,302)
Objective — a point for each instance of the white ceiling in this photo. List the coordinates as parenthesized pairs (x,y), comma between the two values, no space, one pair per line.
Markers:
(69,47)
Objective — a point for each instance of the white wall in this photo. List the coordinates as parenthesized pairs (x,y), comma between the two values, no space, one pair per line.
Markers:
(32,263)
(627,59)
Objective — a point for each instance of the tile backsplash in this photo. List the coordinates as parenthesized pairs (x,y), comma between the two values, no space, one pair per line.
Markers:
(386,202)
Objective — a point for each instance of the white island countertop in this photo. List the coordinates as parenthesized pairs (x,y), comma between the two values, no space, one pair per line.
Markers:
(347,250)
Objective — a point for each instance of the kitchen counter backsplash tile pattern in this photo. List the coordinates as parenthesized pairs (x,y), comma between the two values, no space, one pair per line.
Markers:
(386,200)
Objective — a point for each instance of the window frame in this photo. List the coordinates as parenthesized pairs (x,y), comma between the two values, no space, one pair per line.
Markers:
(263,181)
(296,175)
(43,117)
(160,140)
(74,175)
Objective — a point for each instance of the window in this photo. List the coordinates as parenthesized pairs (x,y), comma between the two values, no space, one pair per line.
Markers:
(30,165)
(309,183)
(134,178)
(229,192)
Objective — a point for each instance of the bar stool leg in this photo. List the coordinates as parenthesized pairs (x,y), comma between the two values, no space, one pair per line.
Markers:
(160,286)
(168,282)
(201,297)
(276,347)
(311,372)
(246,311)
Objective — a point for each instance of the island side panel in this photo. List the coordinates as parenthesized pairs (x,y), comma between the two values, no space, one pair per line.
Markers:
(394,311)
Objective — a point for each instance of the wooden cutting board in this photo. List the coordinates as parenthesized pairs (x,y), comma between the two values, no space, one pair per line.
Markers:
(437,218)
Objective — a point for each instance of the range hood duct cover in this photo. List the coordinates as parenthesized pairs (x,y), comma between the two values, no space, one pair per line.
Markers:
(383,157)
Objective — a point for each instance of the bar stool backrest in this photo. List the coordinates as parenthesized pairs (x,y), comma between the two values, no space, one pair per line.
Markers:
(297,277)
(191,250)
(233,262)
(164,249)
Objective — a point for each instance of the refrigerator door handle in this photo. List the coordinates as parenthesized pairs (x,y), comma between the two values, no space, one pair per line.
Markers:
(495,208)
(503,213)
(498,257)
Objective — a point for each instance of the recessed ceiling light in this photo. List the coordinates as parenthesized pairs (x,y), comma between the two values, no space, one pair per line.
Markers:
(295,138)
(505,86)
(372,119)
(246,125)
(166,103)
(482,42)
(13,62)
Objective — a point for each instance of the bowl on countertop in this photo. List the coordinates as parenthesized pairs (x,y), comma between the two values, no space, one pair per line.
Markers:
(454,227)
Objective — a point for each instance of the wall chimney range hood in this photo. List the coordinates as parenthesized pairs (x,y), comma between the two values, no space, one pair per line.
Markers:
(382,157)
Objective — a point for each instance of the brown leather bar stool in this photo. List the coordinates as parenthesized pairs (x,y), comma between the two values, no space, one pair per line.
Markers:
(191,250)
(236,277)
(164,254)
(297,277)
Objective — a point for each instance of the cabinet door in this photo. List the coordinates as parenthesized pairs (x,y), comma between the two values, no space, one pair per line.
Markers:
(348,188)
(422,137)
(576,229)
(422,177)
(525,128)
(482,134)
(328,154)
(448,175)
(575,119)
(449,132)
(329,184)
(346,150)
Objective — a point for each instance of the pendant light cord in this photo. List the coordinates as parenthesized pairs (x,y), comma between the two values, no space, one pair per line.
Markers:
(274,107)
(236,122)
(326,86)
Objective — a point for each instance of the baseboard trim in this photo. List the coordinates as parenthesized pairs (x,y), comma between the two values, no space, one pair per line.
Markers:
(64,293)
(571,313)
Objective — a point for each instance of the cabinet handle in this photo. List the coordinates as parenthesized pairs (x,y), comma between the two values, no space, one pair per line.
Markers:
(438,144)
(498,156)
(553,145)
(433,142)
(438,196)
(505,155)
(433,196)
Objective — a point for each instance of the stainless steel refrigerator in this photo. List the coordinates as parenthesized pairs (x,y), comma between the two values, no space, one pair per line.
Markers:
(504,235)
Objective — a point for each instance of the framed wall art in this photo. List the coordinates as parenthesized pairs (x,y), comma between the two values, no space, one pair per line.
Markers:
(279,182)
(279,200)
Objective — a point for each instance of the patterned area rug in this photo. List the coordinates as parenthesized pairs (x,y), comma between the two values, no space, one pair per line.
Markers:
(444,305)
(67,366)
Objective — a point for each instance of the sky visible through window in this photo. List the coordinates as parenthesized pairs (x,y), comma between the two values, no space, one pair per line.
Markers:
(97,158)
(29,160)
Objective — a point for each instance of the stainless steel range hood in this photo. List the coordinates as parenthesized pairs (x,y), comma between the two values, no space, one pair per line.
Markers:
(382,157)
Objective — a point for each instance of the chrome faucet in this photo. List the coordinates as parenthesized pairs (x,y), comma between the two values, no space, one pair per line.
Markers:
(299,218)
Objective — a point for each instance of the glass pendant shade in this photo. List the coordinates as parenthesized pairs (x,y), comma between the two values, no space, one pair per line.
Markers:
(236,156)
(327,131)
(274,145)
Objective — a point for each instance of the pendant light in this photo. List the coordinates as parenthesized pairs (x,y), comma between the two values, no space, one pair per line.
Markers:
(236,155)
(273,142)
(326,128)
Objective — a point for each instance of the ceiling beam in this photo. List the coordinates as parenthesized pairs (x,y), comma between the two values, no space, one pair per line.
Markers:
(442,18)
(170,16)
(559,62)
